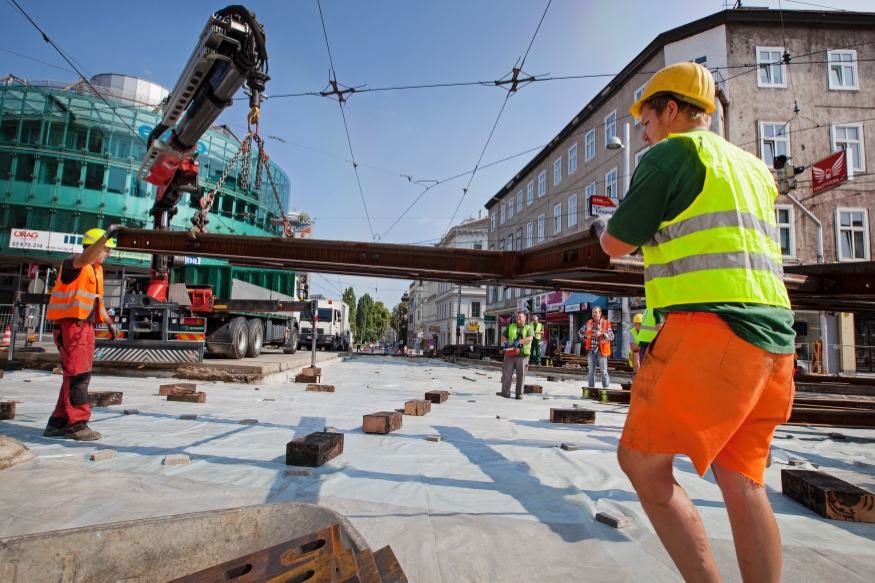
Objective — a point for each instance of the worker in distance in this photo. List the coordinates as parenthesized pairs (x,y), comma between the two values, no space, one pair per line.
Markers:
(717,378)
(75,306)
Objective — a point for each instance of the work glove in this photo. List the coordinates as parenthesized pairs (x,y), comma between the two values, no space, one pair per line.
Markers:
(507,344)
(112,230)
(598,227)
(114,332)
(516,343)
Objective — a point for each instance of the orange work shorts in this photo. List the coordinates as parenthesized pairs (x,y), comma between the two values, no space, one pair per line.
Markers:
(704,392)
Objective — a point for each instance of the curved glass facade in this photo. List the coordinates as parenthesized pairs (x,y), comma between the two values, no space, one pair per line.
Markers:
(68,163)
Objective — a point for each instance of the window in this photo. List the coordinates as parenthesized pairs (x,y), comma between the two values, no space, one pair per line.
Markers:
(501,245)
(610,126)
(507,293)
(557,171)
(590,192)
(589,146)
(572,210)
(572,159)
(702,61)
(842,70)
(475,309)
(503,211)
(774,141)
(530,197)
(491,295)
(529,226)
(492,222)
(638,94)
(557,219)
(542,183)
(786,234)
(492,247)
(611,184)
(500,292)
(519,239)
(640,154)
(519,201)
(516,292)
(850,137)
(541,228)
(852,228)
(477,245)
(510,209)
(509,242)
(772,71)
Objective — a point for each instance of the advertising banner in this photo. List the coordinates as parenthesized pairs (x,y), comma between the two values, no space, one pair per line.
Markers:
(830,172)
(505,320)
(60,243)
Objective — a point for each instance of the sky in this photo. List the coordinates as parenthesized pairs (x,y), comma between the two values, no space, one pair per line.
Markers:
(400,139)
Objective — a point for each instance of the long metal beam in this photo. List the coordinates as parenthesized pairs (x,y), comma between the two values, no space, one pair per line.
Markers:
(575,263)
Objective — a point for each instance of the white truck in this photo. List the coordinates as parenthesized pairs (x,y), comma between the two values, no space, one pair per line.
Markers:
(332,326)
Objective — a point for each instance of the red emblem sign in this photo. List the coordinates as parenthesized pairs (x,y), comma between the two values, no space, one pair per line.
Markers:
(33,270)
(829,172)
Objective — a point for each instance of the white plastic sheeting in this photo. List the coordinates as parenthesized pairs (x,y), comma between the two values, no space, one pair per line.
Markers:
(496,500)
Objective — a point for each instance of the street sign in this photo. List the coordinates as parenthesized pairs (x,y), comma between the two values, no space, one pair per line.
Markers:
(603,206)
(460,320)
(33,270)
(830,172)
(489,318)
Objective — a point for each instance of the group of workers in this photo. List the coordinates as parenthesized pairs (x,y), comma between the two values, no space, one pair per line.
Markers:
(717,377)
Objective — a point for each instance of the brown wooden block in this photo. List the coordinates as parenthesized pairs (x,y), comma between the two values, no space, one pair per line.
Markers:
(382,422)
(301,378)
(417,407)
(104,398)
(164,390)
(437,397)
(187,397)
(311,371)
(614,396)
(387,565)
(533,389)
(828,496)
(313,450)
(552,378)
(626,386)
(321,388)
(575,415)
(7,411)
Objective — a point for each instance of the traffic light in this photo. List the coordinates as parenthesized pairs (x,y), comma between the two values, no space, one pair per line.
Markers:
(786,179)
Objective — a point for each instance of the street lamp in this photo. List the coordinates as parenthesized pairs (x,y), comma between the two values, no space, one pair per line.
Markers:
(614,143)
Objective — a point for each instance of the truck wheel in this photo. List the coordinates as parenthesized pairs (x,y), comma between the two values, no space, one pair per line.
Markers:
(239,338)
(292,346)
(256,337)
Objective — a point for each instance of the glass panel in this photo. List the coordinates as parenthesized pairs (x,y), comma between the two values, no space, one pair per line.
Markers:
(859,246)
(856,219)
(8,129)
(71,173)
(54,137)
(845,219)
(845,240)
(5,165)
(76,135)
(785,242)
(88,221)
(41,221)
(94,176)
(48,172)
(24,171)
(783,216)
(96,140)
(117,181)
(30,131)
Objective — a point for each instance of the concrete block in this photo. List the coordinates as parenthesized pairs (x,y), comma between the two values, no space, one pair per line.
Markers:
(330,429)
(300,472)
(104,398)
(574,415)
(248,421)
(314,450)
(13,452)
(132,411)
(569,447)
(614,519)
(187,397)
(828,496)
(7,410)
(434,438)
(501,417)
(382,422)
(299,378)
(417,407)
(437,397)
(533,389)
(188,416)
(176,459)
(321,388)
(102,454)
(165,390)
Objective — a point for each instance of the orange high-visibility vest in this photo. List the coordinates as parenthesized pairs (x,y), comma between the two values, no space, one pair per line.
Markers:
(77,299)
(604,343)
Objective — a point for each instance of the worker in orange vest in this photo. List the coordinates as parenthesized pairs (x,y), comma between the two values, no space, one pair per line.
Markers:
(598,329)
(75,306)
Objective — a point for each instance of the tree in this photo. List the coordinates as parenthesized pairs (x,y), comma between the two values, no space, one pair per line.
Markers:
(364,318)
(380,319)
(398,320)
(349,300)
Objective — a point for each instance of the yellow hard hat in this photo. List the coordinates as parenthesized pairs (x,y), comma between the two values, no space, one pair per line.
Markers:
(638,319)
(691,82)
(92,235)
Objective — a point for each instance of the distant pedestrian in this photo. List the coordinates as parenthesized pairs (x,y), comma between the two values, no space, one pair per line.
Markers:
(597,334)
(538,330)
(517,342)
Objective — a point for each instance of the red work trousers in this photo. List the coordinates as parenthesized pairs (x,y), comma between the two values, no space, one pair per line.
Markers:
(75,342)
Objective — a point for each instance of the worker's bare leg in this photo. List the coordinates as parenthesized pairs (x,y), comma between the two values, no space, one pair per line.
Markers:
(754,528)
(674,517)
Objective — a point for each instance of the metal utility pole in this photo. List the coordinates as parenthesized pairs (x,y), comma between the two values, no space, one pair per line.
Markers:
(459,313)
(314,318)
(626,324)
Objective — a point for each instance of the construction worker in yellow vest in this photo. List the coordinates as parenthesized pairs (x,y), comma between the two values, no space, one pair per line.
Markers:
(718,378)
(517,343)
(634,349)
(76,306)
(649,330)
(538,328)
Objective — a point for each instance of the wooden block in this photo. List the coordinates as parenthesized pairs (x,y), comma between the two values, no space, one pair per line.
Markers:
(7,410)
(614,519)
(308,379)
(382,422)
(311,371)
(609,396)
(186,397)
(165,390)
(188,416)
(321,388)
(132,411)
(102,454)
(828,496)
(553,378)
(533,389)
(590,393)
(574,415)
(434,438)
(569,447)
(437,397)
(387,565)
(176,459)
(248,421)
(104,398)
(417,407)
(314,450)
(626,386)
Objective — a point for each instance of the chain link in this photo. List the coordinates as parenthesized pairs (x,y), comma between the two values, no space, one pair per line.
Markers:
(200,219)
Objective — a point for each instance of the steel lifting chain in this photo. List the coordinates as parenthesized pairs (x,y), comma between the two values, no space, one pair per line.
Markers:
(262,162)
(200,219)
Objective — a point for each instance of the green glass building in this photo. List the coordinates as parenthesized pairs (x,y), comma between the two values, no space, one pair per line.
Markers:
(69,162)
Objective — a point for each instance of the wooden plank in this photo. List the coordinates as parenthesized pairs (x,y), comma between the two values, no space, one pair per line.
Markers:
(836,389)
(186,397)
(313,450)
(382,422)
(320,388)
(165,390)
(537,389)
(437,397)
(417,407)
(834,403)
(828,496)
(862,418)
(104,398)
(614,396)
(576,415)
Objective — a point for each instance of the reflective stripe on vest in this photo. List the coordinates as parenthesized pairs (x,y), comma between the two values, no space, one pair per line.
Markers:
(604,343)
(725,246)
(79,298)
(526,330)
(648,328)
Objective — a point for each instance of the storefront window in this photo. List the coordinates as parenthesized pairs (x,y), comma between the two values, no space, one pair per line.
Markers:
(117,181)
(26,163)
(94,176)
(48,171)
(72,173)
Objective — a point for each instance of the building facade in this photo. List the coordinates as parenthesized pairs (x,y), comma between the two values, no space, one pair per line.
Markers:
(793,83)
(465,324)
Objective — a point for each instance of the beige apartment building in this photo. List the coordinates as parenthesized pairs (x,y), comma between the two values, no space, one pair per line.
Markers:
(793,83)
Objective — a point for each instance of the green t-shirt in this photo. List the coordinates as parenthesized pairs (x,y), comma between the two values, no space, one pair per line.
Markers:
(668,179)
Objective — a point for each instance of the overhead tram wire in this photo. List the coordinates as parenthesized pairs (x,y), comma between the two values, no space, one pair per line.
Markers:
(36,60)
